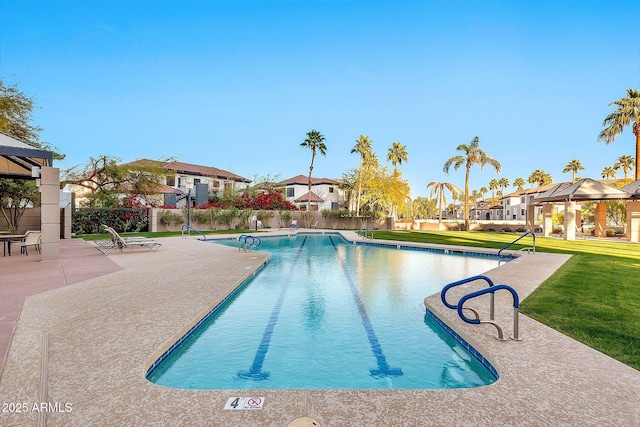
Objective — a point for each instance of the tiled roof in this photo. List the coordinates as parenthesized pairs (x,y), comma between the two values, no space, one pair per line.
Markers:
(209,171)
(309,197)
(304,180)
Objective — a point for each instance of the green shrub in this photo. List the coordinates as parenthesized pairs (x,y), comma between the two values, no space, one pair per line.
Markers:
(171,218)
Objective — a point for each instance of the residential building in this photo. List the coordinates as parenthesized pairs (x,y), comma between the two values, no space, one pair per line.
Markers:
(325,193)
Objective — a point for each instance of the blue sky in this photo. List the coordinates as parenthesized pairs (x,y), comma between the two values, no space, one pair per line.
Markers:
(237,85)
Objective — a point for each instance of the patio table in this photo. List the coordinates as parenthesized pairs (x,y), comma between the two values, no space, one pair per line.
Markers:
(6,241)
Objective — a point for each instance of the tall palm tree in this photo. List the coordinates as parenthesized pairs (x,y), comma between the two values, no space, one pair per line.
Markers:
(626,163)
(608,172)
(539,177)
(519,184)
(493,186)
(627,114)
(503,183)
(315,142)
(573,166)
(473,155)
(397,154)
(483,191)
(362,147)
(438,189)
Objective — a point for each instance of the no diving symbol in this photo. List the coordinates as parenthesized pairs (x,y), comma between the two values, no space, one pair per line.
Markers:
(254,402)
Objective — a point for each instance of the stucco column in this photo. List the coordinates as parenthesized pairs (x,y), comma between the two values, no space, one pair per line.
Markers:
(633,221)
(569,220)
(600,220)
(531,218)
(547,219)
(50,213)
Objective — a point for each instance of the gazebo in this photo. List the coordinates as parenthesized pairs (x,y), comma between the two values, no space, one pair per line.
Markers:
(21,160)
(588,189)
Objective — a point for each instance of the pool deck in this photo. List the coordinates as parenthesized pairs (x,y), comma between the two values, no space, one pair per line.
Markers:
(91,325)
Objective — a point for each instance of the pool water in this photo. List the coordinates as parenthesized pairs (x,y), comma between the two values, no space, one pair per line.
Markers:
(327,314)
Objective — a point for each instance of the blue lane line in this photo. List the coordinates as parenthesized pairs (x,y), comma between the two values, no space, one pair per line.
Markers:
(255,373)
(384,370)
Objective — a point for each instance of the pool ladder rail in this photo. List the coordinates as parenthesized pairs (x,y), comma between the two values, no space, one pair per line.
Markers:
(365,233)
(247,242)
(491,289)
(189,229)
(528,250)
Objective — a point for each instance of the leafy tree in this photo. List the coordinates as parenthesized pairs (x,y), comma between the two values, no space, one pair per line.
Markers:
(362,147)
(473,155)
(627,114)
(626,163)
(397,154)
(519,184)
(314,142)
(16,111)
(348,184)
(539,177)
(608,172)
(437,192)
(15,196)
(106,180)
(573,166)
(424,208)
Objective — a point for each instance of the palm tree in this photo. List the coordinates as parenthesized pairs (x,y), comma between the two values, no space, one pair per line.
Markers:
(483,190)
(397,154)
(608,172)
(315,142)
(437,189)
(473,155)
(573,166)
(362,147)
(626,163)
(503,183)
(519,184)
(627,112)
(539,177)
(493,186)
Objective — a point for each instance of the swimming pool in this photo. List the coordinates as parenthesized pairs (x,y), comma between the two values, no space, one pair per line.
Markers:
(328,314)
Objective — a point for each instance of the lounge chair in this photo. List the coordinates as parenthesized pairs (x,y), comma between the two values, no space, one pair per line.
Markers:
(32,238)
(314,225)
(294,224)
(117,242)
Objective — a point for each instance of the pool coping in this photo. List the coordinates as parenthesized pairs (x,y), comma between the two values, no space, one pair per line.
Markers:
(96,337)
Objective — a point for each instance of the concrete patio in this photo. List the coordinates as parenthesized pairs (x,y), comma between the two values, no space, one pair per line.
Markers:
(88,326)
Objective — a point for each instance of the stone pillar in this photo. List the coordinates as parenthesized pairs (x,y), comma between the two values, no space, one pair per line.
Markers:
(600,220)
(547,219)
(154,219)
(65,222)
(531,218)
(569,220)
(50,213)
(633,221)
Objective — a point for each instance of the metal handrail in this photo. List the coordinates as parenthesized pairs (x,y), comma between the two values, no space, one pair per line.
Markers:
(492,290)
(443,294)
(190,229)
(244,244)
(525,234)
(364,232)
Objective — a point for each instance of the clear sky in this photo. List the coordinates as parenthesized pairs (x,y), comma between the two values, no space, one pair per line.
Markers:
(237,85)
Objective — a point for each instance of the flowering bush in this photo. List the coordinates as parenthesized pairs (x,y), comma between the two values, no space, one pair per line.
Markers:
(269,200)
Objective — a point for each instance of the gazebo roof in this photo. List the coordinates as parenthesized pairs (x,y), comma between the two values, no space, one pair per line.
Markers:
(18,157)
(309,197)
(633,189)
(584,190)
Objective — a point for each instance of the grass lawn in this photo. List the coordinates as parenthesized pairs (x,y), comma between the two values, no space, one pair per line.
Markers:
(594,298)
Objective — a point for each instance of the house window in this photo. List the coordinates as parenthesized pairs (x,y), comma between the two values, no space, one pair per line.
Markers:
(508,201)
(330,189)
(179,182)
(171,181)
(522,199)
(290,192)
(196,180)
(522,212)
